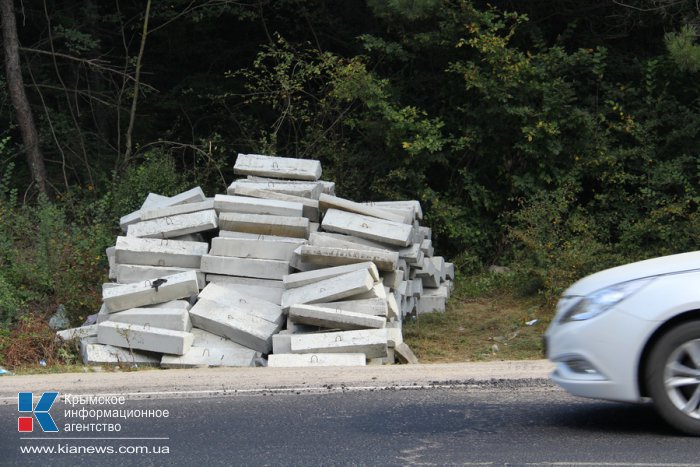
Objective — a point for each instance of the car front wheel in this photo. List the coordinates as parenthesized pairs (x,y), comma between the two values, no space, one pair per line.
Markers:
(673,377)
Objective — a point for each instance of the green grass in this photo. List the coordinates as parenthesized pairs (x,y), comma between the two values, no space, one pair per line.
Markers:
(485,319)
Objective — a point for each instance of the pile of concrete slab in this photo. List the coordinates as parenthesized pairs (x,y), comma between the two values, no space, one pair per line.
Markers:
(279,272)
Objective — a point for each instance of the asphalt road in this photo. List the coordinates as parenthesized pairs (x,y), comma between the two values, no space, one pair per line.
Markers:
(514,422)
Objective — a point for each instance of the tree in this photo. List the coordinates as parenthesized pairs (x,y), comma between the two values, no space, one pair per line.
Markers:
(15,84)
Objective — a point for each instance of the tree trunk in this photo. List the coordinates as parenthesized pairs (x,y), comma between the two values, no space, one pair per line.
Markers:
(15,85)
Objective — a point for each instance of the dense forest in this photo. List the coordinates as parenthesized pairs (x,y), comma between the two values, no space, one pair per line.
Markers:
(556,137)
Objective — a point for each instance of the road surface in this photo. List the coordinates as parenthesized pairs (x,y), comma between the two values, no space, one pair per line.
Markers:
(473,421)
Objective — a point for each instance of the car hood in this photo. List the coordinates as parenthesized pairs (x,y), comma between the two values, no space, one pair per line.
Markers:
(628,272)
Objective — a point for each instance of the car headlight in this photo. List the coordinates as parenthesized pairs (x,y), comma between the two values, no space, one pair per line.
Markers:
(601,300)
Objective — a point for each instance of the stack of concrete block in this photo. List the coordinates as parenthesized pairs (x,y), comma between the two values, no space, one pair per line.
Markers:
(278,267)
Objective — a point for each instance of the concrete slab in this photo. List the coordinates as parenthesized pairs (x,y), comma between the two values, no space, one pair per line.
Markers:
(310,206)
(195,237)
(78,333)
(383,231)
(328,256)
(175,226)
(100,354)
(311,190)
(235,324)
(211,357)
(328,187)
(157,201)
(110,252)
(261,224)
(300,279)
(130,273)
(430,303)
(156,213)
(326,202)
(392,279)
(228,297)
(247,267)
(244,204)
(333,240)
(300,265)
(135,295)
(156,252)
(404,354)
(394,312)
(426,247)
(370,306)
(407,212)
(371,342)
(176,319)
(412,204)
(449,271)
(377,291)
(281,250)
(417,287)
(335,288)
(134,336)
(262,290)
(277,167)
(439,264)
(286,360)
(394,336)
(281,343)
(332,318)
(205,339)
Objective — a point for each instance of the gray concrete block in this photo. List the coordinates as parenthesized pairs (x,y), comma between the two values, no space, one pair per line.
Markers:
(277,167)
(449,271)
(205,339)
(195,237)
(139,294)
(335,288)
(426,247)
(247,205)
(333,240)
(78,333)
(377,291)
(311,190)
(211,357)
(392,279)
(371,342)
(394,336)
(130,273)
(246,267)
(156,252)
(333,318)
(404,353)
(370,306)
(226,296)
(248,287)
(417,287)
(439,264)
(282,343)
(413,204)
(301,265)
(100,354)
(250,236)
(176,319)
(134,336)
(310,206)
(299,279)
(430,303)
(235,324)
(371,228)
(286,360)
(260,224)
(175,226)
(154,201)
(326,202)
(394,312)
(412,254)
(298,328)
(255,248)
(110,252)
(408,213)
(156,213)
(328,256)
(328,187)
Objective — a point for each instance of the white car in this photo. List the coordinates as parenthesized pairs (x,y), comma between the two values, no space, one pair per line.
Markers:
(631,333)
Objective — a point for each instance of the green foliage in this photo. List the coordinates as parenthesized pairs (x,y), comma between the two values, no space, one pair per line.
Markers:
(683,49)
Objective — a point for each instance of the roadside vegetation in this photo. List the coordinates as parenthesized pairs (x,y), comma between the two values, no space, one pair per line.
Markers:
(554,138)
